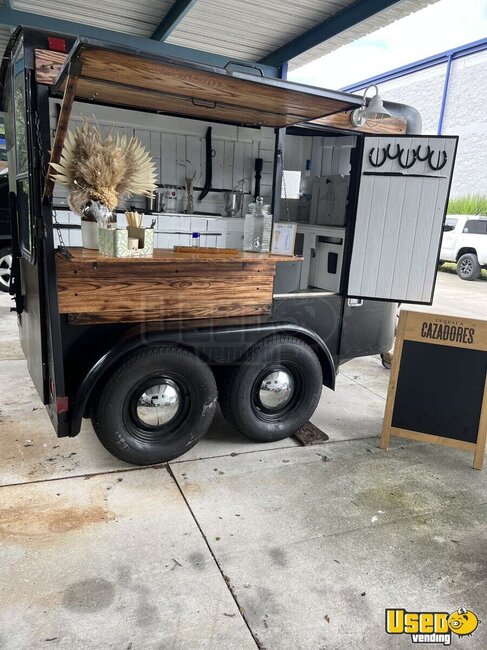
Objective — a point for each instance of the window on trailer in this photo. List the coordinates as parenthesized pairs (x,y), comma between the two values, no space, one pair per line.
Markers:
(21,157)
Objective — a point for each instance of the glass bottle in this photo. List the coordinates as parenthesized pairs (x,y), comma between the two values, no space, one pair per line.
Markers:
(196,239)
(258,227)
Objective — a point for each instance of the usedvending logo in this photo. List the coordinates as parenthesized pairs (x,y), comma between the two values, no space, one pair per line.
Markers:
(432,627)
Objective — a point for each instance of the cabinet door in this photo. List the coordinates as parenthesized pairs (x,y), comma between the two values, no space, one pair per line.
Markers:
(401,205)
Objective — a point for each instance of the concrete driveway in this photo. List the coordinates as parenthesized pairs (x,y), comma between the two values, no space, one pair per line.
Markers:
(236,545)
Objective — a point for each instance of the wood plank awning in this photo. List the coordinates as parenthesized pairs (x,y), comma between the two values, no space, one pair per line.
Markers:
(125,78)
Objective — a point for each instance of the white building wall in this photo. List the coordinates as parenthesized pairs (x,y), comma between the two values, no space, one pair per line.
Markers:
(465,113)
(423,90)
(466,116)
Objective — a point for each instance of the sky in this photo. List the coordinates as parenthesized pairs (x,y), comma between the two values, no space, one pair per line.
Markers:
(438,27)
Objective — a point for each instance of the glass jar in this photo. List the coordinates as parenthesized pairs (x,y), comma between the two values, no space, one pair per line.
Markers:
(258,227)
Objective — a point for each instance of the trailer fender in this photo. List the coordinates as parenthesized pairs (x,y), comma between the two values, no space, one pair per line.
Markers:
(218,346)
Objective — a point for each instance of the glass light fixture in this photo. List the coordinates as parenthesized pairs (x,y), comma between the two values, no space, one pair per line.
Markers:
(373,110)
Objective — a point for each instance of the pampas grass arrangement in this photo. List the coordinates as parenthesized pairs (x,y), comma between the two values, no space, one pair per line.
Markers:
(103,169)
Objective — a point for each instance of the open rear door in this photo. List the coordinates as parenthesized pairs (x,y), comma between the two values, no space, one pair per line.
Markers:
(402,198)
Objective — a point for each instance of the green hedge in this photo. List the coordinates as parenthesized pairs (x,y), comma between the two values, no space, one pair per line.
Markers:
(469,204)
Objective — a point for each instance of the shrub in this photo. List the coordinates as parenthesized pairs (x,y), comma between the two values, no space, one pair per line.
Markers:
(469,204)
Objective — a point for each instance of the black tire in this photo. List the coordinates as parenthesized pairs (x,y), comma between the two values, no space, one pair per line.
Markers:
(468,267)
(127,394)
(240,396)
(5,268)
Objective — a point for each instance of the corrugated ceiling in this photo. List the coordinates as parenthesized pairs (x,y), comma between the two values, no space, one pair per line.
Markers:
(140,18)
(244,29)
(381,19)
(250,29)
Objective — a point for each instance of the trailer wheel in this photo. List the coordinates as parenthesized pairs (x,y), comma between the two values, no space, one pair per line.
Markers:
(156,405)
(5,268)
(275,389)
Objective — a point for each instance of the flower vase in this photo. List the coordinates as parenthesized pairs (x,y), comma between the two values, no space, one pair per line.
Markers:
(89,234)
(93,216)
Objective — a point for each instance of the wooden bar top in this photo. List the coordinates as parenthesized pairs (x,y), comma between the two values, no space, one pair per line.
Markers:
(170,286)
(89,256)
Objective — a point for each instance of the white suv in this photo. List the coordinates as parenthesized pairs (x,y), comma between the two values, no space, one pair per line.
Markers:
(465,242)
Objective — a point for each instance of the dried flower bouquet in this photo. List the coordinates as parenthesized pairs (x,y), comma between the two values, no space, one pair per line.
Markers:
(99,170)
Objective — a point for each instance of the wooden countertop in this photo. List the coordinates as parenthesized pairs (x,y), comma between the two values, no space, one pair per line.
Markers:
(170,286)
(86,255)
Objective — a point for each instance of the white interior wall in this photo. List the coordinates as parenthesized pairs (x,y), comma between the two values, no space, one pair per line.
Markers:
(173,140)
(329,155)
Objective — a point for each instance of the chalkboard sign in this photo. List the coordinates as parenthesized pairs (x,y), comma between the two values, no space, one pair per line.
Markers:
(438,385)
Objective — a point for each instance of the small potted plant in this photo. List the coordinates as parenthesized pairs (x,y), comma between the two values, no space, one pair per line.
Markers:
(99,171)
(189,181)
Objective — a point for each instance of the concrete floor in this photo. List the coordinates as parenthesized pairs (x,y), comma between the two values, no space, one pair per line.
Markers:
(236,545)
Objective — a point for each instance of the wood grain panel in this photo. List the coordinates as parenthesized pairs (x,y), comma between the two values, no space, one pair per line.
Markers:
(101,93)
(168,286)
(61,129)
(90,296)
(148,273)
(187,82)
(131,80)
(342,121)
(413,330)
(48,65)
(167,313)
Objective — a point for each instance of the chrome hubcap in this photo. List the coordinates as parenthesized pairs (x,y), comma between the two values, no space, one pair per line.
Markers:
(276,389)
(5,269)
(159,404)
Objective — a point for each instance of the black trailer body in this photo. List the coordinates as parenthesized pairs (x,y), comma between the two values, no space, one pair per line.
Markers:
(390,237)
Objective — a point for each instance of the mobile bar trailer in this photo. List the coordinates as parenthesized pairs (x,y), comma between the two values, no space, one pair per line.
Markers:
(146,347)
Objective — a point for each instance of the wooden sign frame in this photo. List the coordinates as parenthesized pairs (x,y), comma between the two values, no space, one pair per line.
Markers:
(448,332)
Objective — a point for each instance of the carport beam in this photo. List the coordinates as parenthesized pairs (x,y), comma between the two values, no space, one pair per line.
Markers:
(172,19)
(342,20)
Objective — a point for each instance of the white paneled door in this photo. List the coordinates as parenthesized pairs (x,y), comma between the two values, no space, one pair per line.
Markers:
(403,192)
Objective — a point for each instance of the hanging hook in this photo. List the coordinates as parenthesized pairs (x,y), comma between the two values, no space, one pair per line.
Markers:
(439,165)
(407,164)
(377,163)
(426,156)
(396,155)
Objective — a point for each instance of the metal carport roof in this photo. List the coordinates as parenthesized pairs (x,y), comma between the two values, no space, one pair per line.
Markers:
(273,32)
